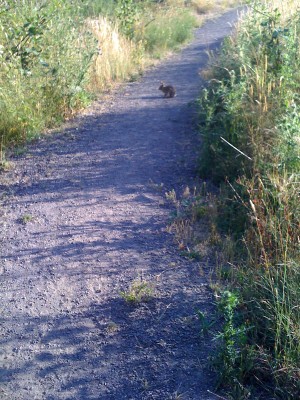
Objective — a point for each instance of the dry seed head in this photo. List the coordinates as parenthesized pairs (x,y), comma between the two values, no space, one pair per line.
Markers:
(252,206)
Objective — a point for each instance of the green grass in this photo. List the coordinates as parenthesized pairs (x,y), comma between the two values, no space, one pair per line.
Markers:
(252,102)
(26,218)
(138,292)
(168,30)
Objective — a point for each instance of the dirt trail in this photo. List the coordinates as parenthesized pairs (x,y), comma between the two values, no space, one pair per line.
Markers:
(95,221)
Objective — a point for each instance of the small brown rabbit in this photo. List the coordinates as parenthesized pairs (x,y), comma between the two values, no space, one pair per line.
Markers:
(168,90)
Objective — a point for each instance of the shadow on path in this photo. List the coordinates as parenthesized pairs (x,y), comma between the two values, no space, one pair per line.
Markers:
(94,200)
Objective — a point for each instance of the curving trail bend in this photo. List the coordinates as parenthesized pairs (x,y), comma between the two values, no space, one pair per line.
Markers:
(92,198)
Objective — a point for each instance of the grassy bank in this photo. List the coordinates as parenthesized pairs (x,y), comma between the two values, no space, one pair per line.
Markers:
(250,119)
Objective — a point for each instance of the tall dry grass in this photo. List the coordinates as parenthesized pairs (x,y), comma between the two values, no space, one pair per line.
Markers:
(118,59)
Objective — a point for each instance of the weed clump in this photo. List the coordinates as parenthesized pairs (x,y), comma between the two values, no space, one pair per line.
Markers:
(139,291)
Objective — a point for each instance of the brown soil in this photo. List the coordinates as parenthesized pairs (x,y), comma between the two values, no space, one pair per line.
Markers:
(84,215)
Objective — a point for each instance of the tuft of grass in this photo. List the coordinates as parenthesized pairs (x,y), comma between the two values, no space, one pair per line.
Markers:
(205,323)
(5,165)
(202,6)
(112,327)
(139,291)
(195,210)
(26,218)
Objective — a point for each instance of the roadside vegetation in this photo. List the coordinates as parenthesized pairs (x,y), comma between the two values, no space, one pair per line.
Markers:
(57,56)
(251,133)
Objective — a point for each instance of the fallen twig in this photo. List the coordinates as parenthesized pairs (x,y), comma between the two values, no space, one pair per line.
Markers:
(235,148)
(214,394)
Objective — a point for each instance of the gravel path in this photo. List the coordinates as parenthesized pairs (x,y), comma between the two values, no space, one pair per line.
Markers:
(84,215)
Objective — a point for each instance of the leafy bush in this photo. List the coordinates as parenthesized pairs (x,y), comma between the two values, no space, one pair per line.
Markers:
(45,54)
(126,13)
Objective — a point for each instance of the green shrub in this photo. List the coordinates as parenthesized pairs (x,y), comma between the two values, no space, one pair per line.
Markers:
(45,54)
(232,362)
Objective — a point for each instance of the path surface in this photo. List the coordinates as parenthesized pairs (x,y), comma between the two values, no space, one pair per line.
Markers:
(95,222)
